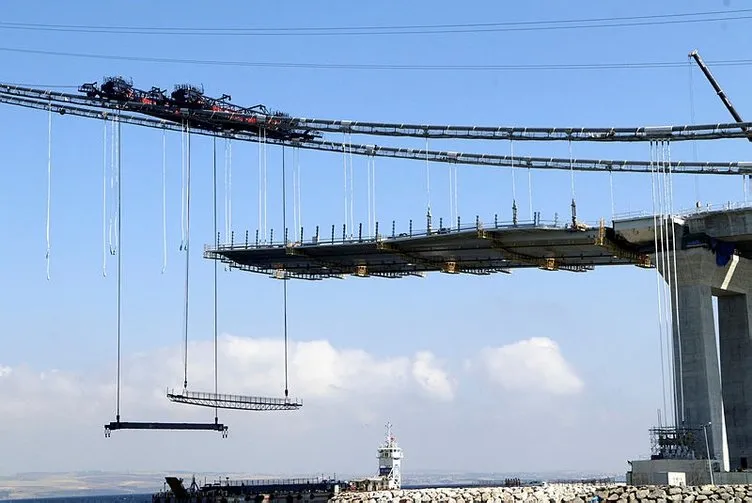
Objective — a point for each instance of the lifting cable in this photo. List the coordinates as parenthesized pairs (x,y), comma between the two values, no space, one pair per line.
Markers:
(370,203)
(187,248)
(228,196)
(164,201)
(266,218)
(49,184)
(297,193)
(653,177)
(118,170)
(104,202)
(284,278)
(216,236)
(113,191)
(260,227)
(295,182)
(512,169)
(182,184)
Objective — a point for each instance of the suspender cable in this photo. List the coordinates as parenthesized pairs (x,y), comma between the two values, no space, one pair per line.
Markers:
(352,186)
(187,248)
(119,267)
(216,236)
(512,169)
(49,184)
(611,189)
(675,311)
(113,190)
(104,202)
(571,176)
(657,273)
(295,226)
(164,201)
(530,191)
(344,168)
(284,279)
(300,202)
(428,184)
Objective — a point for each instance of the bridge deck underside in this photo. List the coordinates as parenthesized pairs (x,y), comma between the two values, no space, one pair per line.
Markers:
(474,251)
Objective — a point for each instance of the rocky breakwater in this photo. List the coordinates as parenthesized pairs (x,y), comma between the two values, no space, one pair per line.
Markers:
(554,493)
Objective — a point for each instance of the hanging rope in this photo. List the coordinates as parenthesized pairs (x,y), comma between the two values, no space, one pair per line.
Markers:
(352,186)
(653,177)
(118,168)
(284,279)
(611,189)
(514,182)
(428,184)
(456,189)
(104,202)
(675,310)
(344,168)
(214,170)
(164,201)
(295,192)
(372,175)
(187,248)
(668,283)
(370,204)
(571,176)
(530,192)
(49,184)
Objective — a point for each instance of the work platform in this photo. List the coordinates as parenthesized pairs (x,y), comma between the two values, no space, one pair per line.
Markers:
(473,250)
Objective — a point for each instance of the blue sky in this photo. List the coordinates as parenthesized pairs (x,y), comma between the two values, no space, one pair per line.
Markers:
(603,322)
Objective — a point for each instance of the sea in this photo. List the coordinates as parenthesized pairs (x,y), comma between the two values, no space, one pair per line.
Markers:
(120,498)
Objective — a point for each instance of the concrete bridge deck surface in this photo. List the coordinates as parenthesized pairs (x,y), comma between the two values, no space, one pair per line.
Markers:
(479,250)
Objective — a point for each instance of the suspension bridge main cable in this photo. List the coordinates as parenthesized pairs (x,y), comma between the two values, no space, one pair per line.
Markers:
(69,101)
(679,167)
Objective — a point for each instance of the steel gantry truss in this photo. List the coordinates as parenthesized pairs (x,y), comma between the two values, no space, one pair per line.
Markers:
(212,123)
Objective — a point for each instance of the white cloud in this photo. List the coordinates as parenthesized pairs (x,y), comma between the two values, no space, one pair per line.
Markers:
(431,377)
(4,371)
(532,365)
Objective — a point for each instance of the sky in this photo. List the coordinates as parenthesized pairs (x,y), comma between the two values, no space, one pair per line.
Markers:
(530,371)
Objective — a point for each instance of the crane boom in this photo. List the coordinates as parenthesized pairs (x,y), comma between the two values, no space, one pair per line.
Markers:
(726,101)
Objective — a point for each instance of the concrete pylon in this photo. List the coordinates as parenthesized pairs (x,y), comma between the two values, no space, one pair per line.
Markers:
(702,393)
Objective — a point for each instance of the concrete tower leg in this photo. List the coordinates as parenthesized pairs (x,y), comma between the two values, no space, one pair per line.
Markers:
(696,365)
(734,320)
(705,395)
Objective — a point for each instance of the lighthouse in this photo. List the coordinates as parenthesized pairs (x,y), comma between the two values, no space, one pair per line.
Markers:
(390,460)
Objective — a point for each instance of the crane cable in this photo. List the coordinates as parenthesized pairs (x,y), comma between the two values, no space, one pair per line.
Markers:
(113,190)
(260,195)
(373,194)
(284,278)
(187,248)
(696,180)
(182,184)
(611,190)
(428,186)
(665,273)
(164,201)
(49,184)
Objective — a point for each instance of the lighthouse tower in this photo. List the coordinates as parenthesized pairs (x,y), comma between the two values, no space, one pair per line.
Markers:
(390,460)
